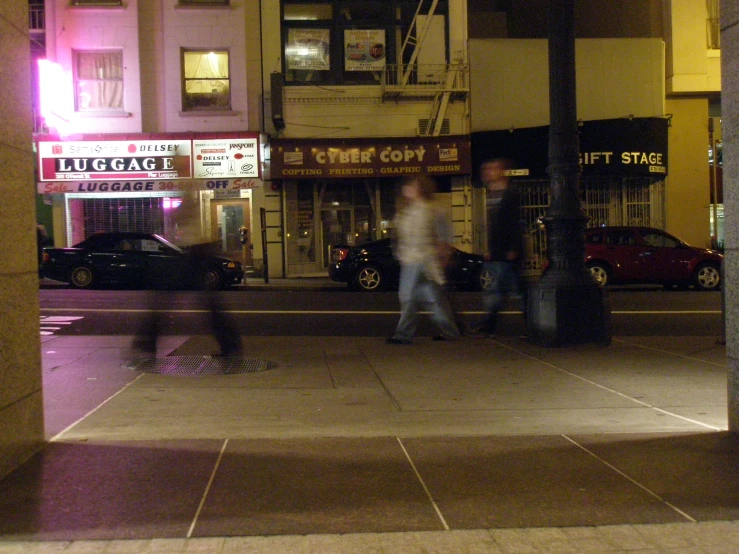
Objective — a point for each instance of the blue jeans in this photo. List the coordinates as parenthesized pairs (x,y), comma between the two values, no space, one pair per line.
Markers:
(506,282)
(416,290)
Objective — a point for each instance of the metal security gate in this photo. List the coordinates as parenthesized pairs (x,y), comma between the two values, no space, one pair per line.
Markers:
(89,213)
(605,200)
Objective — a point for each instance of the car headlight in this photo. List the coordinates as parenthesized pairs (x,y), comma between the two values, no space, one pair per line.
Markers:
(232,265)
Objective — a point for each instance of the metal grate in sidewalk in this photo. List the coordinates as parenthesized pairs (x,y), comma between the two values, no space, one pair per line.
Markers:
(199,365)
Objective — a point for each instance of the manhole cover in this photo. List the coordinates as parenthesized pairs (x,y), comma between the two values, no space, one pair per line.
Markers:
(199,365)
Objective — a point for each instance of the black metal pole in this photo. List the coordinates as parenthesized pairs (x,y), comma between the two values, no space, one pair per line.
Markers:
(265,260)
(566,306)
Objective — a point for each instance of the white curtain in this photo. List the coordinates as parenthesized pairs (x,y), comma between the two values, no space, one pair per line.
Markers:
(206,79)
(99,81)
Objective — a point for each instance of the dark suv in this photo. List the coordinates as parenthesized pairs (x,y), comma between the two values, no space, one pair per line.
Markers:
(647,255)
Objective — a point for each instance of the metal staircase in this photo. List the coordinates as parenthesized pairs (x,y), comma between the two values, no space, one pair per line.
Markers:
(412,81)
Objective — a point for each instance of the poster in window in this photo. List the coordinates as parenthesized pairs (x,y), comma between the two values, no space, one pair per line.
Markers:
(364,49)
(308,49)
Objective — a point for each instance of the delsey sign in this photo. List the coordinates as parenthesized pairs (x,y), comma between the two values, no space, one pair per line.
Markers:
(636,146)
(357,158)
(85,160)
(225,158)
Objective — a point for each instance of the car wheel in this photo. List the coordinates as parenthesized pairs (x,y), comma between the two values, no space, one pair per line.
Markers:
(601,273)
(707,277)
(369,278)
(211,279)
(82,277)
(484,280)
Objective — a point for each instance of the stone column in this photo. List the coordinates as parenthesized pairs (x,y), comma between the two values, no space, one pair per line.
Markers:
(730,126)
(21,407)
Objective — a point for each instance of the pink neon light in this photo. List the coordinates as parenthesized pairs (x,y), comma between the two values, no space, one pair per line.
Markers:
(169,203)
(55,95)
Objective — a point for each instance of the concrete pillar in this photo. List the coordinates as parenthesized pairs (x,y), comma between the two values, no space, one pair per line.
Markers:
(730,125)
(21,407)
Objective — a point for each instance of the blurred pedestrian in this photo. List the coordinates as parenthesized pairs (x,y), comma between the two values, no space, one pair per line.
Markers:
(504,256)
(42,237)
(422,254)
(196,247)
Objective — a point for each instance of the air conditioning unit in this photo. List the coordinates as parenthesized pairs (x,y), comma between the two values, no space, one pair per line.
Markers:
(423,127)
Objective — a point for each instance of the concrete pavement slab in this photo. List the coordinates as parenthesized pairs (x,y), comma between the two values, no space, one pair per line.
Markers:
(696,473)
(107,490)
(289,487)
(506,482)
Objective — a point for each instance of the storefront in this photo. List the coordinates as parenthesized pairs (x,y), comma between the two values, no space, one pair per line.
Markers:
(343,191)
(136,182)
(624,165)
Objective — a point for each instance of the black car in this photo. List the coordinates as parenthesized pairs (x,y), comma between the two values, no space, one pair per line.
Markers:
(372,267)
(136,259)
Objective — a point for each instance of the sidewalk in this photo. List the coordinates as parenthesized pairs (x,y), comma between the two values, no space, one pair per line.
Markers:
(347,444)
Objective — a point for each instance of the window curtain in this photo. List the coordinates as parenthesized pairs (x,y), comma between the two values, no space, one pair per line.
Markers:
(205,70)
(206,80)
(99,80)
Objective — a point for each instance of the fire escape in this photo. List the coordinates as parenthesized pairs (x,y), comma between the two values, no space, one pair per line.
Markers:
(412,81)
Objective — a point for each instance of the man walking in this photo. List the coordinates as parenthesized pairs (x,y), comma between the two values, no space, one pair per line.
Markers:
(504,255)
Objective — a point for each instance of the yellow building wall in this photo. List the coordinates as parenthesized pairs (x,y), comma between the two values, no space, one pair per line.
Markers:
(687,194)
(691,66)
(509,81)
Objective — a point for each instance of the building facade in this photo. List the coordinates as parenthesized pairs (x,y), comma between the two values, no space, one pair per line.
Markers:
(359,95)
(145,103)
(332,79)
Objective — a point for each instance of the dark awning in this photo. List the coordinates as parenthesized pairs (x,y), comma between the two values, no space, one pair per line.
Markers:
(635,146)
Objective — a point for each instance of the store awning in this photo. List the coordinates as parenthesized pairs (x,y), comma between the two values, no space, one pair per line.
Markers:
(625,146)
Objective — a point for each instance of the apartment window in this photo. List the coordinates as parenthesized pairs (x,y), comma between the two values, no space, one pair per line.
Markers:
(346,41)
(206,84)
(98,80)
(336,41)
(713,28)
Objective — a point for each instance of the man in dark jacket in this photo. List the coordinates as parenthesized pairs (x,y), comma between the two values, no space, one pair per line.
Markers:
(504,257)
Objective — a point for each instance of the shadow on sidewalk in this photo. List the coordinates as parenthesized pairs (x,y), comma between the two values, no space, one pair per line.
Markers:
(137,490)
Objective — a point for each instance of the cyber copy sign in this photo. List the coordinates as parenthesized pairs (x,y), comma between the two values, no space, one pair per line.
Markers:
(228,158)
(103,160)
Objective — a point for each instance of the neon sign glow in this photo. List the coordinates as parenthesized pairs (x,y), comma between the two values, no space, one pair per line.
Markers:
(55,96)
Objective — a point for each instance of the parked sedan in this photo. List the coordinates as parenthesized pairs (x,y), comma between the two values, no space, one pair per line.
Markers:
(136,259)
(647,255)
(372,267)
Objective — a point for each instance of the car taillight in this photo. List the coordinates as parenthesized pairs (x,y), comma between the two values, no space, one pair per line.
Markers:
(339,254)
(46,258)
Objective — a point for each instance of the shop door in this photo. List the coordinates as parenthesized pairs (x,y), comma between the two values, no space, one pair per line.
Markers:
(227,218)
(336,229)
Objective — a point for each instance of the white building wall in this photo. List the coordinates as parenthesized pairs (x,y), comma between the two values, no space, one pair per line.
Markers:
(509,80)
(205,28)
(72,28)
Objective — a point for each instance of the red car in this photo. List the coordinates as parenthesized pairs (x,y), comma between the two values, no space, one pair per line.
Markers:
(646,255)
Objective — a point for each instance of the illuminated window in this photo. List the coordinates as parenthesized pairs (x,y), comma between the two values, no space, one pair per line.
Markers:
(98,80)
(206,83)
(347,41)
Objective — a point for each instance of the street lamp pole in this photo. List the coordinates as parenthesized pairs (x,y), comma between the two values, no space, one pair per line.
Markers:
(566,306)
